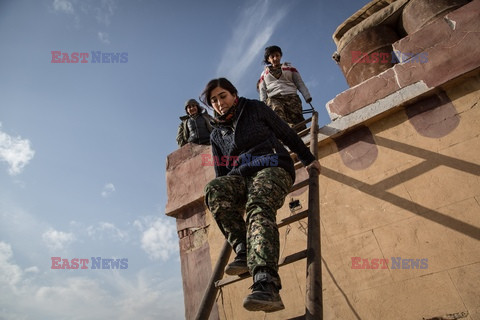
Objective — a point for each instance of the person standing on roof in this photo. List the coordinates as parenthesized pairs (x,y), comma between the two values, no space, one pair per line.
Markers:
(278,87)
(255,182)
(195,126)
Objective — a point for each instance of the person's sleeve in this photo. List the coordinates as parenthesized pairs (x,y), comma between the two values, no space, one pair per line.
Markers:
(208,119)
(263,89)
(180,137)
(287,135)
(217,154)
(298,81)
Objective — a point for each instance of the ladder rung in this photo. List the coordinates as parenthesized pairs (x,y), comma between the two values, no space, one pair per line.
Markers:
(293,258)
(304,132)
(291,219)
(287,260)
(299,185)
(300,124)
(232,279)
(297,165)
(294,159)
(293,154)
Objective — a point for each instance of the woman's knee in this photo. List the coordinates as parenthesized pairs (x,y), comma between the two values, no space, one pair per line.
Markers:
(224,185)
(223,189)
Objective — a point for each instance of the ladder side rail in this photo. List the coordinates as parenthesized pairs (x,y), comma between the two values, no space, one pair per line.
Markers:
(210,294)
(314,305)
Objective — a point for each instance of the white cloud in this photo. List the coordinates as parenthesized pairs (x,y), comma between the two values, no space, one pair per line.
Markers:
(105,11)
(57,240)
(10,274)
(74,293)
(255,28)
(107,229)
(314,83)
(159,237)
(88,12)
(104,37)
(15,151)
(144,295)
(33,269)
(23,229)
(63,6)
(85,295)
(108,189)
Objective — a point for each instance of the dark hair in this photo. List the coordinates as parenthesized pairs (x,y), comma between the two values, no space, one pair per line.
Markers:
(212,84)
(269,51)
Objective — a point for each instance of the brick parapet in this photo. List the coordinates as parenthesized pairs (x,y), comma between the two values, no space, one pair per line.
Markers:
(186,178)
(451,43)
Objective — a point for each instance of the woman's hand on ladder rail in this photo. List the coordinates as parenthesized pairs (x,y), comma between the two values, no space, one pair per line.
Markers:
(315,165)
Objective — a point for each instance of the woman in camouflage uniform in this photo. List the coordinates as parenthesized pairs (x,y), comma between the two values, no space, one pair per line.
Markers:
(278,87)
(254,173)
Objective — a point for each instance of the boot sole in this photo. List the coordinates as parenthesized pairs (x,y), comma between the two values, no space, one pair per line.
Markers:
(235,271)
(262,305)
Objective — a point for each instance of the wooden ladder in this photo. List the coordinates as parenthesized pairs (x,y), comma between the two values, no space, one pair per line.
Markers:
(313,303)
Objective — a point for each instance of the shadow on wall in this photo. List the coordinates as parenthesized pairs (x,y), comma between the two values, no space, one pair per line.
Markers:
(432,117)
(431,161)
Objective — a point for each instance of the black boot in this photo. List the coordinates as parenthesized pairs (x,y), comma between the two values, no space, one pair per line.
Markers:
(239,264)
(265,293)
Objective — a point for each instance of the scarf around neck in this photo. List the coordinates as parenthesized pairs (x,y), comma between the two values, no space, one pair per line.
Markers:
(227,118)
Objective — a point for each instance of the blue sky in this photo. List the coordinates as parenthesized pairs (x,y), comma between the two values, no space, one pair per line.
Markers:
(83,146)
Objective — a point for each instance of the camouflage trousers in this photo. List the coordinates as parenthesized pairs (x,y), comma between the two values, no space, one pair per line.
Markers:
(288,107)
(259,196)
